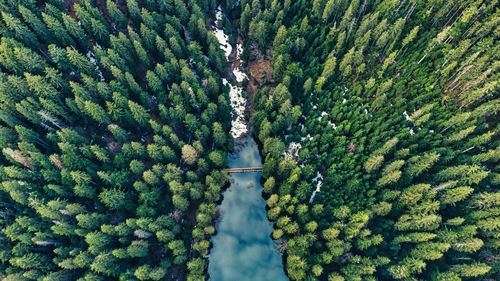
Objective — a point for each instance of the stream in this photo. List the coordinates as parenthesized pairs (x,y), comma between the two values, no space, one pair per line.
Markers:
(242,248)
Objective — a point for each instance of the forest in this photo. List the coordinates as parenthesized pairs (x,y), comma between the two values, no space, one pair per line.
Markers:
(114,136)
(377,122)
(379,129)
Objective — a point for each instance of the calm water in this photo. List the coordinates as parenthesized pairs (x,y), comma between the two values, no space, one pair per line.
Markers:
(243,249)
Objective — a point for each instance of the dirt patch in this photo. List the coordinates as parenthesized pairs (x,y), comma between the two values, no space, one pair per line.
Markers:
(252,87)
(262,71)
(260,75)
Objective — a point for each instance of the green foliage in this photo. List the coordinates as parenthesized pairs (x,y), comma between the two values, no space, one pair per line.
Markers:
(112,114)
(97,105)
(393,151)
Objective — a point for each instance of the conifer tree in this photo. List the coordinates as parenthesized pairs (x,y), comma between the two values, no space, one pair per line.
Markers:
(21,32)
(116,14)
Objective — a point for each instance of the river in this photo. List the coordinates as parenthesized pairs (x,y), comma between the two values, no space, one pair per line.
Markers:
(242,248)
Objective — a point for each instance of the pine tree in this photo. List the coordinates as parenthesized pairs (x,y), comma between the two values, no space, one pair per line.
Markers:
(106,264)
(154,82)
(35,23)
(29,60)
(80,62)
(296,267)
(116,14)
(74,29)
(182,11)
(57,29)
(97,112)
(471,270)
(329,68)
(141,53)
(100,31)
(20,30)
(134,11)
(139,113)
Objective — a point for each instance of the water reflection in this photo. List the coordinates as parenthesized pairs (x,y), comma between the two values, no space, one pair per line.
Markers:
(242,249)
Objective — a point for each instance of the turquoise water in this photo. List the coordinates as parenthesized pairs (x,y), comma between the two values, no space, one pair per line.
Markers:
(243,249)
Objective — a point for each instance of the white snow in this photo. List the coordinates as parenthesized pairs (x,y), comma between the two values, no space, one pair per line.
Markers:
(407,117)
(240,75)
(319,182)
(292,151)
(239,49)
(223,38)
(91,57)
(322,114)
(238,103)
(306,137)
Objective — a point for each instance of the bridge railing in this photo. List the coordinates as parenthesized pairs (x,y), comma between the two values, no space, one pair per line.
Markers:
(244,170)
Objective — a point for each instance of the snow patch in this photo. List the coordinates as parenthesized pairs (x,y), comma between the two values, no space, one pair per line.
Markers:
(238,103)
(308,137)
(91,56)
(239,49)
(293,151)
(319,182)
(240,75)
(322,114)
(221,36)
(407,117)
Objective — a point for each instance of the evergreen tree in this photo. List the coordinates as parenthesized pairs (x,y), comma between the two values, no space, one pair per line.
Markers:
(35,23)
(21,32)
(139,113)
(116,14)
(58,30)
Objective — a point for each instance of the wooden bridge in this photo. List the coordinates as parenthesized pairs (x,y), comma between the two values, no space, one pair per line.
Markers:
(244,170)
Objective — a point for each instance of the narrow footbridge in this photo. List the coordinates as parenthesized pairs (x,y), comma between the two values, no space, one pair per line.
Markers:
(244,170)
